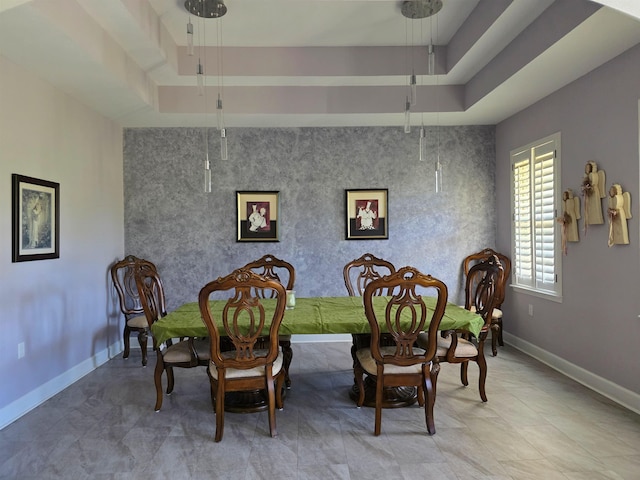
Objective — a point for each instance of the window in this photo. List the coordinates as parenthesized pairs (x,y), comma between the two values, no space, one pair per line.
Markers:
(536,234)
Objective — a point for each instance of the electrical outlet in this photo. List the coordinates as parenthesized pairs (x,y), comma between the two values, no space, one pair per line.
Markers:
(21,350)
(531,310)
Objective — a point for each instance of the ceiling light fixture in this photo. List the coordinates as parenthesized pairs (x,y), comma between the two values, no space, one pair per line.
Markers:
(206,8)
(420,9)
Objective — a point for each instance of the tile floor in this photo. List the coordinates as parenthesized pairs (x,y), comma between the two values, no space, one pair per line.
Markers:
(537,424)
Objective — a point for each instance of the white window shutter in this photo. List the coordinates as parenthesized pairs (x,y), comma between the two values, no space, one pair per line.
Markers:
(535,193)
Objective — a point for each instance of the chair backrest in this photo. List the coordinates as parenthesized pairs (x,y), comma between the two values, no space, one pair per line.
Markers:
(246,318)
(273,268)
(123,277)
(151,291)
(506,267)
(482,287)
(360,272)
(410,292)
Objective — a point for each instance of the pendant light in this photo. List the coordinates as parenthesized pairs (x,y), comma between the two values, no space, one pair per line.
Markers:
(407,116)
(208,9)
(190,38)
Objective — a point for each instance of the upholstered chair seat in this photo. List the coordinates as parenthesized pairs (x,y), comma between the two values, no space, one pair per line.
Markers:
(369,364)
(244,373)
(464,349)
(181,352)
(138,322)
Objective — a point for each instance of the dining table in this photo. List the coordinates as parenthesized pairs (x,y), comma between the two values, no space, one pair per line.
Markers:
(316,316)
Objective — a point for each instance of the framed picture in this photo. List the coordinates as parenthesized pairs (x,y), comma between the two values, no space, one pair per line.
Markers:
(35,215)
(367,214)
(258,216)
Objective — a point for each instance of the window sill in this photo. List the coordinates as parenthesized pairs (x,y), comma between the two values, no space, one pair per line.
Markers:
(554,297)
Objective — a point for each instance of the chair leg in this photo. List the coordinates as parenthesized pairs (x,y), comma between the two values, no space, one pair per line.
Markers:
(213,386)
(482,365)
(430,391)
(463,373)
(500,342)
(169,380)
(271,405)
(358,374)
(279,385)
(494,342)
(219,410)
(378,421)
(125,337)
(142,340)
(433,373)
(287,356)
(495,337)
(157,378)
(421,395)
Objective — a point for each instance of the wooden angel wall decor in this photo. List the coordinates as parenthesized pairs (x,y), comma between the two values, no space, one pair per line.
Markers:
(618,212)
(569,219)
(593,191)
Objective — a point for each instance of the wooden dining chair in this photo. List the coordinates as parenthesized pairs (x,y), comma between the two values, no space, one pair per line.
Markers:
(357,274)
(255,361)
(273,268)
(457,346)
(403,363)
(360,272)
(185,353)
(135,321)
(496,319)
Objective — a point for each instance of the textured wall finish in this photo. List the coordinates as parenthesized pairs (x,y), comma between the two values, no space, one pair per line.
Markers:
(191,236)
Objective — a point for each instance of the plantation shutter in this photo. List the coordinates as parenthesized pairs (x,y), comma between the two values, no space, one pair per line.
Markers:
(523,265)
(544,215)
(535,232)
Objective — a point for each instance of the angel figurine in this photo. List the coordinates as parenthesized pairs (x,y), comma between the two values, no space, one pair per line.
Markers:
(571,215)
(619,211)
(593,190)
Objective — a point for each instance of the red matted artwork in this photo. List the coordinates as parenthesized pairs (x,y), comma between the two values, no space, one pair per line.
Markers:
(257,216)
(367,214)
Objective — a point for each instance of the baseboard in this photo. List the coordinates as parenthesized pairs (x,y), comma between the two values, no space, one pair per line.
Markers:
(31,400)
(618,394)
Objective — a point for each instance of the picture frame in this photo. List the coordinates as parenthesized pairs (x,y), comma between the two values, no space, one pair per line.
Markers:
(367,214)
(35,219)
(258,216)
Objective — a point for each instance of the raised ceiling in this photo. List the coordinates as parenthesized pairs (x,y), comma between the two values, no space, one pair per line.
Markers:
(313,62)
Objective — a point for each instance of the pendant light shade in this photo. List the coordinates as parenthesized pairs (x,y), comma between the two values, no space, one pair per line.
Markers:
(407,117)
(414,93)
(207,175)
(431,60)
(220,113)
(200,78)
(190,49)
(223,144)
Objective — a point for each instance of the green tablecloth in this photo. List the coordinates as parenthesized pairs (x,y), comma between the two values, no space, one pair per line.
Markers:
(317,315)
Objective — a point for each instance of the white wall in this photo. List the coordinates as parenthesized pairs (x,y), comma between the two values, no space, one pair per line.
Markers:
(61,309)
(595,332)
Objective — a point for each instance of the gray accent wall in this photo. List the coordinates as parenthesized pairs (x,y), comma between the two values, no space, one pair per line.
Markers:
(191,235)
